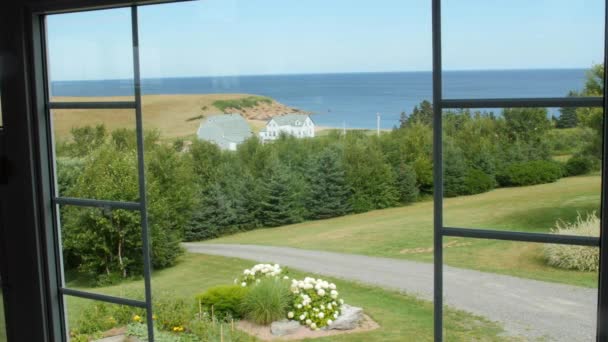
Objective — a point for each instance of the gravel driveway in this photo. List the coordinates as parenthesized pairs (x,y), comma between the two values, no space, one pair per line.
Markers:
(529,308)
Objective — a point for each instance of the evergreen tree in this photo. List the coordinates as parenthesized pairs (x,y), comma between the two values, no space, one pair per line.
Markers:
(454,172)
(567,117)
(214,217)
(406,183)
(282,201)
(423,115)
(329,193)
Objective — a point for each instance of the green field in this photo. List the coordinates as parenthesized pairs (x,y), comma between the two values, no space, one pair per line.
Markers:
(401,317)
(407,233)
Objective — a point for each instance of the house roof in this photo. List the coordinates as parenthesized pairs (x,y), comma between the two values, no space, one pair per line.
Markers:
(291,119)
(225,127)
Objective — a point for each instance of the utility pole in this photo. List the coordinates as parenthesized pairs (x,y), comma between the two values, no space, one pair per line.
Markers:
(378,124)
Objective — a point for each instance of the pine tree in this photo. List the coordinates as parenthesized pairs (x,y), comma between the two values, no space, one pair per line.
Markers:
(455,172)
(281,199)
(567,117)
(406,183)
(329,193)
(214,217)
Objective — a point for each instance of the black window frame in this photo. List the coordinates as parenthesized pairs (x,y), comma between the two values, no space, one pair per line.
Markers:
(440,230)
(33,172)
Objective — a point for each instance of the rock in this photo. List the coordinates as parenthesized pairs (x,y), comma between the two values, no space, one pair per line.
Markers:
(350,317)
(284,327)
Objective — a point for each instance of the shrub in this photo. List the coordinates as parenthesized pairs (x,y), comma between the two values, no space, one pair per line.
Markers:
(316,303)
(530,173)
(267,301)
(258,272)
(226,300)
(575,257)
(578,165)
(477,181)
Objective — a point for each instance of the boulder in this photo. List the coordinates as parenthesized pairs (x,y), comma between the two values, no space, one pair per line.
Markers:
(350,317)
(284,327)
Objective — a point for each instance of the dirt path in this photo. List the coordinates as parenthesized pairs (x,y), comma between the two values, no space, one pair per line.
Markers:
(525,307)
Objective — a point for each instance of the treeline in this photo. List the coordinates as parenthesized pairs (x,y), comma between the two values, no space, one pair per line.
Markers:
(199,192)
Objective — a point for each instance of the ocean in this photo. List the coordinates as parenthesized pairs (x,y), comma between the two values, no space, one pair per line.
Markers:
(353,99)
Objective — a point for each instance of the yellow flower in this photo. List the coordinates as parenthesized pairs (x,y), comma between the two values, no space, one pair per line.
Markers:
(153,316)
(178,328)
(137,318)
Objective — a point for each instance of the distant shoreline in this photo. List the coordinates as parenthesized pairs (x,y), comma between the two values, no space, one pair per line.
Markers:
(321,73)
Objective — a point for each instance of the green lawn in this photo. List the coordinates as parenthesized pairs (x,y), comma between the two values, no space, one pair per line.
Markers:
(406,232)
(401,317)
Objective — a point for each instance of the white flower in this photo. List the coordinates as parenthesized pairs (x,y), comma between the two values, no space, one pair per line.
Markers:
(321,315)
(321,292)
(290,314)
(341,301)
(308,321)
(313,325)
(299,306)
(335,315)
(332,286)
(285,277)
(329,322)
(257,280)
(243,284)
(246,272)
(302,317)
(334,294)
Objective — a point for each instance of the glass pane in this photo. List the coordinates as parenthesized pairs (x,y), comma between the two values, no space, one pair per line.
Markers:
(90,320)
(486,55)
(96,153)
(102,251)
(521,289)
(87,61)
(340,85)
(527,169)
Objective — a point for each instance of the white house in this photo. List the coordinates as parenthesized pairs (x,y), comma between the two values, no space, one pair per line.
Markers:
(224,130)
(297,125)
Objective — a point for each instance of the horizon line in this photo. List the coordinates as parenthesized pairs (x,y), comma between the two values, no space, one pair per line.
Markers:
(321,73)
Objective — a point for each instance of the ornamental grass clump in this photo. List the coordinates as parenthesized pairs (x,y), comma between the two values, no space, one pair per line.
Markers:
(316,303)
(267,301)
(575,257)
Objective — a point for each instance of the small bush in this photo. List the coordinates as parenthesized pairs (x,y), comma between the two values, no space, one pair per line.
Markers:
(575,257)
(226,300)
(578,165)
(171,312)
(316,303)
(530,173)
(102,316)
(477,181)
(267,301)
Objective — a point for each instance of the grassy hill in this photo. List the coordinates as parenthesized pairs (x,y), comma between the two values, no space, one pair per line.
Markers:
(174,115)
(407,232)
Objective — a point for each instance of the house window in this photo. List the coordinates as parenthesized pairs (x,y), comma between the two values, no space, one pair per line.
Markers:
(95,111)
(97,138)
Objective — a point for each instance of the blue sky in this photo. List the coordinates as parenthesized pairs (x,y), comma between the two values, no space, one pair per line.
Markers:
(244,37)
